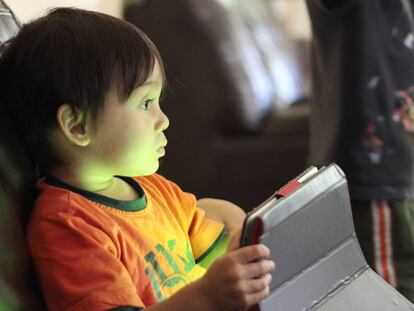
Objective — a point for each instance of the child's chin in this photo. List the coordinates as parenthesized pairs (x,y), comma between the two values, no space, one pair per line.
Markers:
(147,171)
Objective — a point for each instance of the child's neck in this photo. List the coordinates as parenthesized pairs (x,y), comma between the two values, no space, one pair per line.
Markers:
(110,186)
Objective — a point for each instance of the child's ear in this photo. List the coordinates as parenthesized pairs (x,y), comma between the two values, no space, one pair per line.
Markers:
(73,124)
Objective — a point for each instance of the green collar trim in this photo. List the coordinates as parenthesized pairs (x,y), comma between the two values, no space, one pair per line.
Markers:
(128,206)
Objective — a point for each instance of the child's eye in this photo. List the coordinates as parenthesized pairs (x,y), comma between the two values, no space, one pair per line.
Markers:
(145,105)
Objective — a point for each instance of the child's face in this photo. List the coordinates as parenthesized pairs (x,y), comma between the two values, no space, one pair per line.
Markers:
(128,137)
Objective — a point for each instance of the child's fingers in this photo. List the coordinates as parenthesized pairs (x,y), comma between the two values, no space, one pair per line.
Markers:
(256,297)
(257,285)
(258,268)
(259,296)
(251,253)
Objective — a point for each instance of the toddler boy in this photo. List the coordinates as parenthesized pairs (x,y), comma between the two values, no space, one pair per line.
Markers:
(106,231)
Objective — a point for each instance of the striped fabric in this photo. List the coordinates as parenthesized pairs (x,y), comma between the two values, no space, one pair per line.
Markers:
(383,257)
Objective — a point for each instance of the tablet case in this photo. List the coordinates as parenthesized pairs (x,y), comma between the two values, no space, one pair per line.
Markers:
(319,264)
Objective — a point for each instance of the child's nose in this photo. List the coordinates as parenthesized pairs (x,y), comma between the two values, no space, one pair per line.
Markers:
(164,122)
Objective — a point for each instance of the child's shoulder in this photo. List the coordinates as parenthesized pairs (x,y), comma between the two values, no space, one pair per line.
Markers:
(151,178)
(157,183)
(52,199)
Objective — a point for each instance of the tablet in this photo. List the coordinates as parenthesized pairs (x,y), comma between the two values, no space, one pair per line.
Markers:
(307,224)
(253,224)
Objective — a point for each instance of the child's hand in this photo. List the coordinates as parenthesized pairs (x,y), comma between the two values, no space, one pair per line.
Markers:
(238,279)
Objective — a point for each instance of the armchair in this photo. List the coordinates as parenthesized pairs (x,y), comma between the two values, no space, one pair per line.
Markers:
(17,287)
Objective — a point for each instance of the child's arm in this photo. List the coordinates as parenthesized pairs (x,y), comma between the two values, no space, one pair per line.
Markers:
(229,214)
(237,280)
(224,212)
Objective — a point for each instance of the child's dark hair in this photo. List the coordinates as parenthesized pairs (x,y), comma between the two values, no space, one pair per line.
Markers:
(69,56)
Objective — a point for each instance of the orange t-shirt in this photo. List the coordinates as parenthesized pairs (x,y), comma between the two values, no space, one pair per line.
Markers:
(92,252)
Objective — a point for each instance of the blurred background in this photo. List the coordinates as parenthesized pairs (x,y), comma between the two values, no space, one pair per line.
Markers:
(26,10)
(237,88)
(291,13)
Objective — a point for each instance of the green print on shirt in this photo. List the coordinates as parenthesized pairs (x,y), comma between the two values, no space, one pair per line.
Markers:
(159,278)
